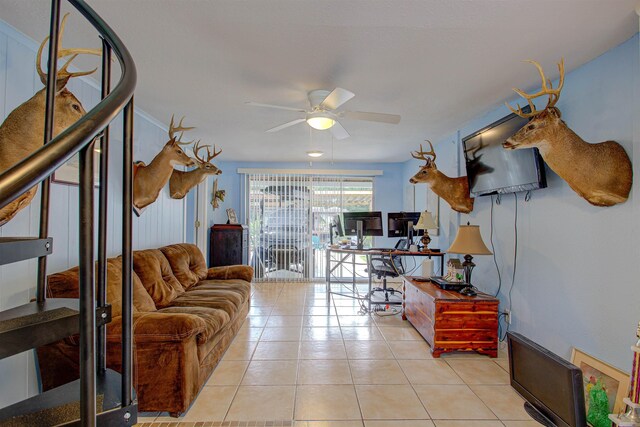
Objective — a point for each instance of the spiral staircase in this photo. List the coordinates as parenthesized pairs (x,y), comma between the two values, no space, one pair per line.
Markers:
(101,396)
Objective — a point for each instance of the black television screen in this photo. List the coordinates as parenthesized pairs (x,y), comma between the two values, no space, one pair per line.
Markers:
(397,223)
(491,169)
(551,386)
(371,223)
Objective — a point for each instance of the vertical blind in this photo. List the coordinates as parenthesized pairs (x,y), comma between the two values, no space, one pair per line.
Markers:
(289,216)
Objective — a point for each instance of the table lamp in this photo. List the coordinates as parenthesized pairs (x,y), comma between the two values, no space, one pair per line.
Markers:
(425,222)
(469,242)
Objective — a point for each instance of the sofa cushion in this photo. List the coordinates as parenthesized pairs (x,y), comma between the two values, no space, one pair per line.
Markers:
(226,300)
(187,263)
(156,276)
(238,286)
(243,272)
(142,301)
(65,284)
(215,319)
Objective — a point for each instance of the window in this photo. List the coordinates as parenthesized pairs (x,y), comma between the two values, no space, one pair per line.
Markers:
(289,217)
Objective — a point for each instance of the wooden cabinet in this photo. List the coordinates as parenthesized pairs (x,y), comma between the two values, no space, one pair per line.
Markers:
(449,321)
(228,245)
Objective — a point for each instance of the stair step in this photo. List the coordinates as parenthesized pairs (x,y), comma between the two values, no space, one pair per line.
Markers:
(33,325)
(61,405)
(14,249)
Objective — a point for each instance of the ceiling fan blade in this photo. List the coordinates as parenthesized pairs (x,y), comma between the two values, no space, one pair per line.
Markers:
(338,131)
(393,119)
(280,107)
(336,98)
(286,125)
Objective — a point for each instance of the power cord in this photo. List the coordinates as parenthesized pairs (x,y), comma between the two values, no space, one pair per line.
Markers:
(515,265)
(493,249)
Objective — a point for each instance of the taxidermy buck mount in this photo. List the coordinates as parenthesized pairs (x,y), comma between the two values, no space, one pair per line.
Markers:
(181,182)
(454,191)
(22,132)
(149,179)
(600,173)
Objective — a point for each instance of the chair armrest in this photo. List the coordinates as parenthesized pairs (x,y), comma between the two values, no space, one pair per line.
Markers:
(158,327)
(242,272)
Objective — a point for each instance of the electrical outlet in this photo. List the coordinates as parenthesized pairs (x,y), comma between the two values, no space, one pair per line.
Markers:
(507,316)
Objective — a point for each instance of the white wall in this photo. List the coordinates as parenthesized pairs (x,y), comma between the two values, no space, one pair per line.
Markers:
(577,270)
(160,224)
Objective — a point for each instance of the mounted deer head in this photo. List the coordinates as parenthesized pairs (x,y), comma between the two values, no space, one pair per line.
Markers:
(455,191)
(149,179)
(601,173)
(22,132)
(181,182)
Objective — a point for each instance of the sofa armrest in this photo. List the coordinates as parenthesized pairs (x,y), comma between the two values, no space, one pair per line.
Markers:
(158,327)
(242,272)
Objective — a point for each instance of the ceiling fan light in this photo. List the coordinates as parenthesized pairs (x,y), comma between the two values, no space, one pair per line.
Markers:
(315,153)
(320,122)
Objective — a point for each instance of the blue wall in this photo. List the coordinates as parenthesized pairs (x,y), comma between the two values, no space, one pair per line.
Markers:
(576,282)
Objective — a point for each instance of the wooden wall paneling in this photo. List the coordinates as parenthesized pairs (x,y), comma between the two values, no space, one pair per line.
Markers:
(59,230)
(17,279)
(3,72)
(162,222)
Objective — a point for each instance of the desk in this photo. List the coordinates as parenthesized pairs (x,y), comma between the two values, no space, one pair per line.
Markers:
(348,257)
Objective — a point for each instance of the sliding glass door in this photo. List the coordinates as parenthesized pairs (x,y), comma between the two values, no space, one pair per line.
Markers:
(289,217)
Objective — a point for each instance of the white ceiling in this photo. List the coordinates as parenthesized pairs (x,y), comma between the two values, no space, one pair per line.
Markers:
(436,63)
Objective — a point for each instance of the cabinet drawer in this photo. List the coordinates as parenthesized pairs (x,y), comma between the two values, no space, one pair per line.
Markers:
(465,335)
(467,307)
(466,321)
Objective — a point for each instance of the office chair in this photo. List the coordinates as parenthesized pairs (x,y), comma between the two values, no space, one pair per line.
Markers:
(384,266)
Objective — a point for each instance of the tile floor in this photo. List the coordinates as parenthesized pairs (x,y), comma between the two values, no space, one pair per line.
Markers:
(299,361)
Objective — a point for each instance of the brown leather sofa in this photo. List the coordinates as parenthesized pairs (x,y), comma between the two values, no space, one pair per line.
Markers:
(184,318)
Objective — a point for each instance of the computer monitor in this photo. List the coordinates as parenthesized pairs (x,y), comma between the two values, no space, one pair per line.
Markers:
(335,228)
(337,225)
(552,387)
(397,224)
(371,223)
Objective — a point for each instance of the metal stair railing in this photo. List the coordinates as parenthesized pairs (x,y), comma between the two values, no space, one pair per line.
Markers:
(38,167)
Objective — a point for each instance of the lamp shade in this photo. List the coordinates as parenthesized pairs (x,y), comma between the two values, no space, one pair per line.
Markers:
(469,241)
(425,222)
(320,121)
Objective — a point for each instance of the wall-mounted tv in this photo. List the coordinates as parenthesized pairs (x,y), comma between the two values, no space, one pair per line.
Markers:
(491,169)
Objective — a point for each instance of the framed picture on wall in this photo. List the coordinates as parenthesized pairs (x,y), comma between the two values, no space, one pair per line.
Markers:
(231,214)
(604,385)
(69,173)
(433,206)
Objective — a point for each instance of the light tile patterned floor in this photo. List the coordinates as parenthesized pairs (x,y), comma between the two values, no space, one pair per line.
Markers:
(301,362)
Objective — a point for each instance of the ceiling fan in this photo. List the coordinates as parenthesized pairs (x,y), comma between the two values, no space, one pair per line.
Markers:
(323,113)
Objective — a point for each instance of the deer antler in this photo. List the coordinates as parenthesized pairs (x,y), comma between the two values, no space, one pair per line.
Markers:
(63,74)
(421,155)
(547,89)
(173,129)
(210,156)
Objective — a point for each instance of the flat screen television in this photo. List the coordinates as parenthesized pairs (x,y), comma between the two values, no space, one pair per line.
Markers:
(397,224)
(551,386)
(371,223)
(491,169)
